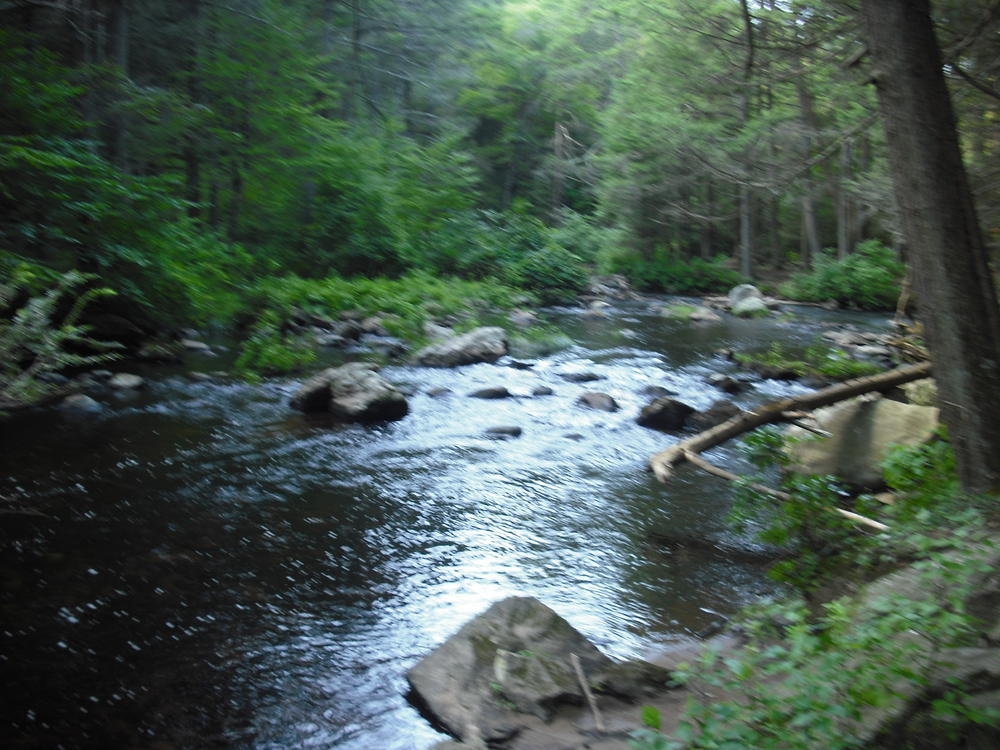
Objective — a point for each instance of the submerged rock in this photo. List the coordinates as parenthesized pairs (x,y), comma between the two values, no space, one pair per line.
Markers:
(485,344)
(580,377)
(491,393)
(598,400)
(79,402)
(714,415)
(354,392)
(504,431)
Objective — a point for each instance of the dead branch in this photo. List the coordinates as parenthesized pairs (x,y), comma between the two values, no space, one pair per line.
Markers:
(718,471)
(662,464)
(598,721)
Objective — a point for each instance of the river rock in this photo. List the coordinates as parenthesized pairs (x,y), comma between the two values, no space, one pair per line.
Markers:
(495,392)
(598,400)
(704,315)
(921,392)
(750,307)
(126,381)
(541,390)
(485,344)
(729,384)
(513,658)
(79,402)
(192,345)
(580,377)
(741,293)
(504,431)
(436,332)
(714,415)
(522,318)
(657,391)
(354,392)
(664,413)
(862,430)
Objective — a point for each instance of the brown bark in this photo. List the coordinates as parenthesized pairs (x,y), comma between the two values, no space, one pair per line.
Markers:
(951,275)
(662,464)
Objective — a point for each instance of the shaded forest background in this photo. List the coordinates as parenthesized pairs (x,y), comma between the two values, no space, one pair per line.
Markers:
(208,160)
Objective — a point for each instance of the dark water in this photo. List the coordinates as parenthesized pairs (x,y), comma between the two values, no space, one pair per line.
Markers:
(213,569)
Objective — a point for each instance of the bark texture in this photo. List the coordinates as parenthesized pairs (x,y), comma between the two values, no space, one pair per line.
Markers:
(952,280)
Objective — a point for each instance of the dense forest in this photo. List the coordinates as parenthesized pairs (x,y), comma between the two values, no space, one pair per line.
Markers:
(251,171)
(196,155)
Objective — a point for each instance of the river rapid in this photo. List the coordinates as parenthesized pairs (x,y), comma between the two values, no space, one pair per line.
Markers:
(212,569)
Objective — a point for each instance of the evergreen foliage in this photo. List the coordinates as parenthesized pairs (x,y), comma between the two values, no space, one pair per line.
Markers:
(868,279)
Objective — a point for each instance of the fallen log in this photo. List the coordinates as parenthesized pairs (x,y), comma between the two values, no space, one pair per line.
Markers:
(662,464)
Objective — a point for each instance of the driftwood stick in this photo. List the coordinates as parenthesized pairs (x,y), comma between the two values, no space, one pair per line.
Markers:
(718,471)
(598,721)
(662,464)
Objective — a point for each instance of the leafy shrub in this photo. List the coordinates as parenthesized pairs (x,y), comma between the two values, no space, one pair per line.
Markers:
(554,273)
(806,680)
(868,279)
(270,352)
(34,342)
(669,272)
(408,303)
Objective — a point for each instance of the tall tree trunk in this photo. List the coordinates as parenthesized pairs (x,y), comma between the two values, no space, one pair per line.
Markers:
(844,208)
(810,231)
(746,207)
(118,53)
(957,298)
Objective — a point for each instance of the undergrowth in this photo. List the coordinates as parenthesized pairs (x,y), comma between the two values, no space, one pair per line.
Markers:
(813,361)
(821,672)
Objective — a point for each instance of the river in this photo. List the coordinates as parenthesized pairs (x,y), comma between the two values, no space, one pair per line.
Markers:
(212,569)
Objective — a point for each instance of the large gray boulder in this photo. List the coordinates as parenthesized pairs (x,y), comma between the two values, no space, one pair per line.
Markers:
(485,344)
(861,432)
(750,307)
(354,392)
(512,659)
(743,292)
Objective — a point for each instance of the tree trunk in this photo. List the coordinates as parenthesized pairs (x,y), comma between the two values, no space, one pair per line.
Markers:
(844,244)
(958,303)
(118,52)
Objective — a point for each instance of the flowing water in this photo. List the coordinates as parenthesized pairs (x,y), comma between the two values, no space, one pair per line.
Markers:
(212,569)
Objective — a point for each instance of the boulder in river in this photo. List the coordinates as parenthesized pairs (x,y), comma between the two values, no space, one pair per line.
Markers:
(491,393)
(79,402)
(664,413)
(512,659)
(714,415)
(743,292)
(541,390)
(580,377)
(750,307)
(861,432)
(354,392)
(126,381)
(504,431)
(485,344)
(598,400)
